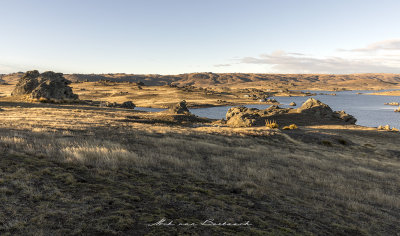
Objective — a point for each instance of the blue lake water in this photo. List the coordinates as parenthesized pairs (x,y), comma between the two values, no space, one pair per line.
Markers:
(368,109)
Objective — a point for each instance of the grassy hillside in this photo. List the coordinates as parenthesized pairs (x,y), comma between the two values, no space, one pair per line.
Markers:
(233,80)
(240,80)
(72,169)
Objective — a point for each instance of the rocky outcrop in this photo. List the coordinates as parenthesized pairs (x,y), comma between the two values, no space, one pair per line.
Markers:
(271,100)
(108,104)
(311,112)
(248,117)
(45,86)
(126,105)
(387,128)
(315,107)
(345,117)
(242,117)
(322,111)
(180,108)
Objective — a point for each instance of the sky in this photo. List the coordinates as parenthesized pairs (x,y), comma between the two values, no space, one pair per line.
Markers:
(184,36)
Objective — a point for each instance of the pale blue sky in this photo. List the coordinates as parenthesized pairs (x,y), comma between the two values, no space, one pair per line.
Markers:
(181,36)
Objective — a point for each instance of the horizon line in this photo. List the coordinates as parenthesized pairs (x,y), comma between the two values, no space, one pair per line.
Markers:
(204,72)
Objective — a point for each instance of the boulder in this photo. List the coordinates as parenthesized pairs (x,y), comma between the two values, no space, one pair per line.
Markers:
(108,104)
(315,107)
(128,105)
(48,86)
(27,83)
(313,103)
(386,127)
(293,104)
(275,110)
(271,100)
(180,108)
(345,117)
(242,117)
(323,111)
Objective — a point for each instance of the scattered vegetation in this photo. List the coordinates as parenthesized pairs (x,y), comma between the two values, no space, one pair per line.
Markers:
(73,169)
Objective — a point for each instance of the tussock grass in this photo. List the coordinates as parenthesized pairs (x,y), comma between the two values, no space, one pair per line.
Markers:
(271,124)
(99,156)
(292,126)
(316,188)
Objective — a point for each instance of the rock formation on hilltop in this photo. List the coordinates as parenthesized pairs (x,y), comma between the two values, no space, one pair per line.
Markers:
(312,112)
(47,86)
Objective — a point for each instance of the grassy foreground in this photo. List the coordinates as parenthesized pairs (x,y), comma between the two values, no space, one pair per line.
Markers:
(70,169)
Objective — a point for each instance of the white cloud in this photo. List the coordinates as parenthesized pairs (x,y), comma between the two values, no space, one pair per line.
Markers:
(288,63)
(390,45)
(379,57)
(222,65)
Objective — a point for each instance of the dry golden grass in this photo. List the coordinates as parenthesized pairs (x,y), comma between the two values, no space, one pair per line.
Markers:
(78,169)
(158,96)
(226,89)
(291,181)
(291,126)
(368,81)
(388,93)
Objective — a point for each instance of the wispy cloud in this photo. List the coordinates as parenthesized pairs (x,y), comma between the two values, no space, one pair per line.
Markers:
(222,65)
(378,57)
(388,45)
(5,69)
(296,54)
(288,63)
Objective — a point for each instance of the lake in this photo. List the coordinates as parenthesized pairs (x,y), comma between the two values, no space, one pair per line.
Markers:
(368,109)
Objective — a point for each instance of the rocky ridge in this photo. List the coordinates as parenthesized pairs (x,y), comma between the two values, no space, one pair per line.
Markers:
(311,112)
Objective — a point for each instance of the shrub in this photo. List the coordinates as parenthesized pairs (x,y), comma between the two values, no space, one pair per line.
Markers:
(43,100)
(326,143)
(292,126)
(342,141)
(271,124)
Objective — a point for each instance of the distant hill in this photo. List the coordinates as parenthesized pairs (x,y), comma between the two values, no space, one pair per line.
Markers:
(237,80)
(291,81)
